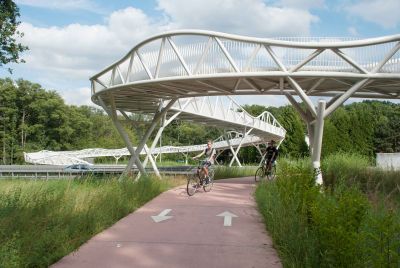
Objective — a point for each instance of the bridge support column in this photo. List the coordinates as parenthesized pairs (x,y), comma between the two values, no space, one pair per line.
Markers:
(117,157)
(146,150)
(161,111)
(310,130)
(317,141)
(260,152)
(153,163)
(239,146)
(113,114)
(234,157)
(157,116)
(315,130)
(216,157)
(314,118)
(164,123)
(186,157)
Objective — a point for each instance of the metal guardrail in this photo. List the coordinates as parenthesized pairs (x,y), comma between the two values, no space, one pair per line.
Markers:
(48,171)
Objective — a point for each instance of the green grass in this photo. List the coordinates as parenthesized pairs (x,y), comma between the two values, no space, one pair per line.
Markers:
(337,227)
(223,172)
(379,185)
(42,221)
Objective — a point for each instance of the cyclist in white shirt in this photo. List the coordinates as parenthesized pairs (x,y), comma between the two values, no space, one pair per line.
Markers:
(210,154)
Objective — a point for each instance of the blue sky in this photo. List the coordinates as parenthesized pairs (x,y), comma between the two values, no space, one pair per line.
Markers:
(71,40)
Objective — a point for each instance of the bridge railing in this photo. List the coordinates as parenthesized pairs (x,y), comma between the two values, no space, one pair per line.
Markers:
(226,109)
(200,53)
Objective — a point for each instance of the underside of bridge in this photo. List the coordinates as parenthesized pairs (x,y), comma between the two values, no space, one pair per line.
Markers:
(163,69)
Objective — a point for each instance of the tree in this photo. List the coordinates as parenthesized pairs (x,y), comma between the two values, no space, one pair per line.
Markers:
(9,47)
(294,143)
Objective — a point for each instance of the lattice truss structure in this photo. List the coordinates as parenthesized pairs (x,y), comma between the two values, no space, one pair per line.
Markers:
(232,140)
(240,130)
(191,63)
(218,111)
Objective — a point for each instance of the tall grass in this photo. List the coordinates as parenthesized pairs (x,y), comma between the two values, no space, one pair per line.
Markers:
(336,228)
(379,185)
(42,221)
(223,172)
(343,166)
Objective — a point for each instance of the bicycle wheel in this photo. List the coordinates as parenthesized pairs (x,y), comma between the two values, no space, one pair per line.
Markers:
(272,173)
(209,184)
(260,174)
(192,185)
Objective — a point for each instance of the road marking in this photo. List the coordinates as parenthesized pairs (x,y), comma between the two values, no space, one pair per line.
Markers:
(162,216)
(227,217)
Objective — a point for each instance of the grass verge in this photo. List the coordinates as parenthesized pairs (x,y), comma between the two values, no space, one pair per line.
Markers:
(335,228)
(378,184)
(223,172)
(42,221)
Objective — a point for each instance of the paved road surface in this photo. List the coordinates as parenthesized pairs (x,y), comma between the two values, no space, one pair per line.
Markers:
(194,237)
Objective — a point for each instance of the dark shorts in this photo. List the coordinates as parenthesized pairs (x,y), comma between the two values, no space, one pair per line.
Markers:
(206,164)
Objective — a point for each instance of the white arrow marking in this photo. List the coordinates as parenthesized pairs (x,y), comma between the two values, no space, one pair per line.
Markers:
(162,216)
(227,217)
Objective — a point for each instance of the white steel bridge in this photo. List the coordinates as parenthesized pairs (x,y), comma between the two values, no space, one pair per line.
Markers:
(63,158)
(160,71)
(241,130)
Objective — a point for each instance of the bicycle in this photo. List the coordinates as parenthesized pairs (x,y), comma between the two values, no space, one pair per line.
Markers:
(197,179)
(262,172)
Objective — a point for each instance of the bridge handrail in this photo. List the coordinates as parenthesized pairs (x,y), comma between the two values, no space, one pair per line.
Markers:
(312,44)
(269,118)
(262,122)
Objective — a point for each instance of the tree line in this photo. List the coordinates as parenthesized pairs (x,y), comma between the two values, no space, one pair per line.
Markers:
(33,118)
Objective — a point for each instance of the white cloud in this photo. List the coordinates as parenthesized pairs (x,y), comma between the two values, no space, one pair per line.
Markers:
(382,12)
(353,31)
(76,52)
(72,51)
(132,25)
(67,56)
(302,4)
(266,100)
(248,17)
(79,96)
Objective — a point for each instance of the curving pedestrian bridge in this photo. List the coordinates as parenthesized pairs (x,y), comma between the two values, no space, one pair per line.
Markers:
(162,70)
(240,130)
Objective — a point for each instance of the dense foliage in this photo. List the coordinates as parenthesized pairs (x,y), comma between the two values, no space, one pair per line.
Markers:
(346,226)
(365,128)
(294,143)
(9,47)
(32,119)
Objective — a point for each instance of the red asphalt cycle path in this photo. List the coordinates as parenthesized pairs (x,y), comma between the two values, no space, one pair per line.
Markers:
(194,237)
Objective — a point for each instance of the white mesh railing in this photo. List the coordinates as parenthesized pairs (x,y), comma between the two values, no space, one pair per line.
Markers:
(225,109)
(78,157)
(167,56)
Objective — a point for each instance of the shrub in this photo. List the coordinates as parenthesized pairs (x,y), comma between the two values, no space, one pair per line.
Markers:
(338,227)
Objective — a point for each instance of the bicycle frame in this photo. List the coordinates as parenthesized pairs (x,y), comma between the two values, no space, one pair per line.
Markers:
(197,180)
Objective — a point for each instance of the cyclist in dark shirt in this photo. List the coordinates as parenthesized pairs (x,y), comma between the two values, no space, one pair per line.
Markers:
(270,155)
